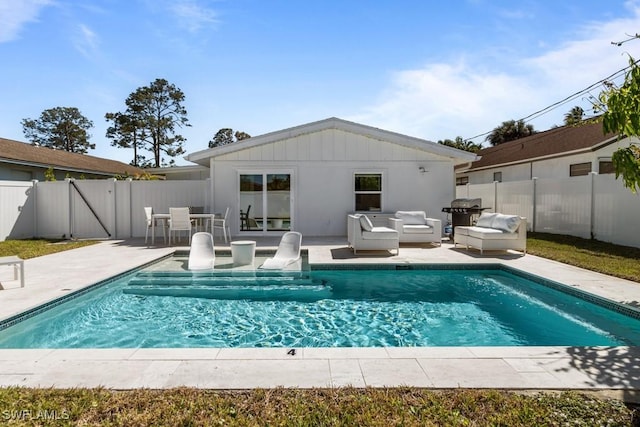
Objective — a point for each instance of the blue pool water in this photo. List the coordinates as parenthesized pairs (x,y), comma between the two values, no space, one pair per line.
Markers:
(323,308)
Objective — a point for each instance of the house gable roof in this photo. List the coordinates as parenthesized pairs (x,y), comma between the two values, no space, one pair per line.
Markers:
(556,142)
(26,154)
(202,157)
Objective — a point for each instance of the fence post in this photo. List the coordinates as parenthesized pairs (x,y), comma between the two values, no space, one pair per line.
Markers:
(70,212)
(130,190)
(593,203)
(534,211)
(34,195)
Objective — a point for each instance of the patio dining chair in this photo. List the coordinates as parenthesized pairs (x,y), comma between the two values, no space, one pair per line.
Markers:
(222,224)
(244,219)
(179,221)
(148,213)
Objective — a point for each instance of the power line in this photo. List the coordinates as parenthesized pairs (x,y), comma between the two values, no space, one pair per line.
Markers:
(571,97)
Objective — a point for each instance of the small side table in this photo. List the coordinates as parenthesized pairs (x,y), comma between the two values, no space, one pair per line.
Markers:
(243,252)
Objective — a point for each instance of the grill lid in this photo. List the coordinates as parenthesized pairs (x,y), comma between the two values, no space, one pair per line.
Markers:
(466,203)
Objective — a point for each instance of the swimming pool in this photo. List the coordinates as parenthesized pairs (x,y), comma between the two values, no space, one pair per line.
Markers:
(394,306)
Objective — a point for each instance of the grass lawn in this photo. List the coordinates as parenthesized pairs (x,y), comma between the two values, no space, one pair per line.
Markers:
(32,248)
(315,407)
(607,258)
(331,407)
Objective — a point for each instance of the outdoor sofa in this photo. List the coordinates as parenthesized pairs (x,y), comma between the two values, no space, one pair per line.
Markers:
(493,231)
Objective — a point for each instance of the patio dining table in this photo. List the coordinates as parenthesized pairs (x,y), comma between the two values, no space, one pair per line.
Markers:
(165,217)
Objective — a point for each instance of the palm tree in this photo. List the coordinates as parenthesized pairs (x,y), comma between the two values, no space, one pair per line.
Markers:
(510,131)
(574,116)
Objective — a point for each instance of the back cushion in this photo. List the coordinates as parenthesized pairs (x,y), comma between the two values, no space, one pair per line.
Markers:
(411,217)
(508,223)
(486,219)
(365,223)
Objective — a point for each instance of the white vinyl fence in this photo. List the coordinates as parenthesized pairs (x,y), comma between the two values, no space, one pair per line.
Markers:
(591,206)
(81,209)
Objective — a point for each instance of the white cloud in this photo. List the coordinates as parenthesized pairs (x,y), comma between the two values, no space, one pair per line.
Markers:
(193,16)
(446,100)
(87,41)
(15,14)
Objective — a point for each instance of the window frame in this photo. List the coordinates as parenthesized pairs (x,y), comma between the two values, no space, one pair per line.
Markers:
(372,192)
(609,169)
(575,169)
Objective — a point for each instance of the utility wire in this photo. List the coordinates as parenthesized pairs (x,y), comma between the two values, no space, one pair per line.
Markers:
(570,97)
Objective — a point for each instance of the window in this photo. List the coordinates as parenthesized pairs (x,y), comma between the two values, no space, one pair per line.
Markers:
(605,166)
(368,191)
(462,180)
(579,169)
(497,176)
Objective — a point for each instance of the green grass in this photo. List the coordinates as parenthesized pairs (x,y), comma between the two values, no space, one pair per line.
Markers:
(314,407)
(31,248)
(607,258)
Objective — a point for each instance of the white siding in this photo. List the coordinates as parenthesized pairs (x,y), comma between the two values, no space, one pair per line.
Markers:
(323,165)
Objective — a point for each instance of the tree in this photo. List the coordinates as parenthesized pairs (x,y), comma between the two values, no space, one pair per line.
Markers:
(127,132)
(157,112)
(226,136)
(461,144)
(510,131)
(621,106)
(574,116)
(63,128)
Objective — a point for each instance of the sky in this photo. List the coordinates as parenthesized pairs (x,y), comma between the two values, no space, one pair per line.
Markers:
(429,69)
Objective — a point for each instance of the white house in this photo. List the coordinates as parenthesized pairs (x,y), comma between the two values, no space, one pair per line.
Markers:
(308,178)
(557,153)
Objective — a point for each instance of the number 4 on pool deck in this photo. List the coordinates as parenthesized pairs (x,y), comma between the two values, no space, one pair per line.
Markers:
(292,352)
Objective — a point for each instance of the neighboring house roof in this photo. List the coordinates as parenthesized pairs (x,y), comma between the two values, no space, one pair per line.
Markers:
(26,154)
(556,142)
(459,156)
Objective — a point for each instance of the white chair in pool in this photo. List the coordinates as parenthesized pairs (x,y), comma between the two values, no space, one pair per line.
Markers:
(288,252)
(179,220)
(202,255)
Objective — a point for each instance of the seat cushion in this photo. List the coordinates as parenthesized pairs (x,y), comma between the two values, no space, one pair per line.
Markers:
(381,233)
(461,230)
(411,217)
(490,233)
(417,229)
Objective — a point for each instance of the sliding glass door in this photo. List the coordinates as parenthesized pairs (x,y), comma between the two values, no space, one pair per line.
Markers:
(265,202)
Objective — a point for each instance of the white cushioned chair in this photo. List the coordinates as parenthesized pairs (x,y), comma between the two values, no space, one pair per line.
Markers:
(494,231)
(414,226)
(362,235)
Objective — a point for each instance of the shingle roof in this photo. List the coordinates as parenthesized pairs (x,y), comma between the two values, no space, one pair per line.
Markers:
(20,152)
(551,143)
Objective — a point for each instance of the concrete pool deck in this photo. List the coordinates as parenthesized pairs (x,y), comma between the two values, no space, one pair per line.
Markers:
(614,369)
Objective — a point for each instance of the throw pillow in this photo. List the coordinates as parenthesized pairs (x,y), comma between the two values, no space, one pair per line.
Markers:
(486,219)
(365,223)
(508,223)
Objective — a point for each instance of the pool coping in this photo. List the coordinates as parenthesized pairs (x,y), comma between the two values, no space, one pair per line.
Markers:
(558,368)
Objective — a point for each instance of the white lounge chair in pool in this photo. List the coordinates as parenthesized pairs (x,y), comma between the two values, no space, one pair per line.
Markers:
(202,255)
(287,254)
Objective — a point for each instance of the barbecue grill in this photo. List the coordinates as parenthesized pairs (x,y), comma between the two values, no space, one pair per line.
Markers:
(462,211)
